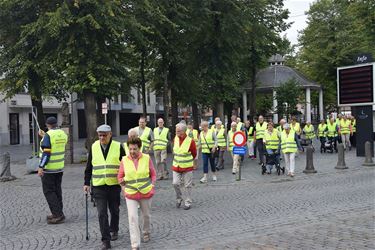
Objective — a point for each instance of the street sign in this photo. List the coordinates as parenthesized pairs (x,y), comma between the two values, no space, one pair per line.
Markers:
(239,150)
(104,108)
(239,139)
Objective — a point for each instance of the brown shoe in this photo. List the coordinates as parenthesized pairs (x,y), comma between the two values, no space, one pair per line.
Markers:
(56,220)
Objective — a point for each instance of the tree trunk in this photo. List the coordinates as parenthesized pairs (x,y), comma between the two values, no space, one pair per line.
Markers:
(166,98)
(89,100)
(35,87)
(174,107)
(220,111)
(143,83)
(194,107)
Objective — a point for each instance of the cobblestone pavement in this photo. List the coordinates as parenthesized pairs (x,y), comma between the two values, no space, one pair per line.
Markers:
(333,209)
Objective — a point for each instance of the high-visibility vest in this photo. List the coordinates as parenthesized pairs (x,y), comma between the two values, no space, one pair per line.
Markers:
(309,131)
(354,125)
(296,128)
(280,128)
(288,143)
(239,126)
(249,137)
(272,140)
(213,126)
(207,142)
(260,130)
(230,140)
(104,171)
(193,134)
(221,142)
(181,155)
(345,126)
(58,140)
(332,132)
(137,180)
(322,129)
(144,138)
(125,145)
(160,139)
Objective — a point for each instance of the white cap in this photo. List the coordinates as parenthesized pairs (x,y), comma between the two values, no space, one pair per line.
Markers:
(104,128)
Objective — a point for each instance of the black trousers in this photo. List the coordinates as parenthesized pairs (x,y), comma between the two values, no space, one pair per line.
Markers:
(107,197)
(51,184)
(260,147)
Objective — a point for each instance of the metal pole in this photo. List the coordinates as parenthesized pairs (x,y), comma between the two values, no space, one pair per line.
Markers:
(105,119)
(239,172)
(87,218)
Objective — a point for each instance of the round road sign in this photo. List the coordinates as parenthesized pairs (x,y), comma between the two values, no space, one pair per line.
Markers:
(239,139)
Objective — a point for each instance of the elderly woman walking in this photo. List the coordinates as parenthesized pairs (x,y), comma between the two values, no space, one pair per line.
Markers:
(137,177)
(289,146)
(208,144)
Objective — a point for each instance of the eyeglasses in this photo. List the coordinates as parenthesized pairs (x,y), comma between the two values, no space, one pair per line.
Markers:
(102,135)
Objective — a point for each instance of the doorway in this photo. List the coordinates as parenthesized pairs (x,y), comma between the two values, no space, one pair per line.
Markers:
(14,128)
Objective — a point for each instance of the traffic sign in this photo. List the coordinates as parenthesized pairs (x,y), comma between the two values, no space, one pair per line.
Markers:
(104,108)
(239,139)
(239,150)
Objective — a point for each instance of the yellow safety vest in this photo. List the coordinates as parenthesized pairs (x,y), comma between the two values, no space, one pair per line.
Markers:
(181,155)
(207,143)
(249,137)
(58,140)
(321,130)
(354,125)
(345,126)
(160,140)
(230,140)
(309,131)
(221,142)
(125,145)
(288,144)
(213,126)
(239,126)
(331,130)
(272,140)
(144,138)
(104,171)
(137,180)
(192,134)
(260,130)
(296,128)
(280,129)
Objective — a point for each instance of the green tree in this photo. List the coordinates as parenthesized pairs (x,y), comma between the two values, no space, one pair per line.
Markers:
(288,95)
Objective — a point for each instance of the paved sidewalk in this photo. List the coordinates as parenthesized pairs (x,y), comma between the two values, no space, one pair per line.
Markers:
(333,209)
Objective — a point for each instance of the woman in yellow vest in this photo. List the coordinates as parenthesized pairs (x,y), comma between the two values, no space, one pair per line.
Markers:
(309,132)
(137,178)
(260,129)
(208,144)
(295,126)
(289,146)
(230,144)
(322,135)
(221,136)
(272,141)
(192,133)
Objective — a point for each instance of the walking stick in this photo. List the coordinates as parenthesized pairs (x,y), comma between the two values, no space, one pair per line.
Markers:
(87,218)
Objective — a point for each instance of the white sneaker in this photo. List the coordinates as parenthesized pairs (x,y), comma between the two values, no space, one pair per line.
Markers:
(204,179)
(214,178)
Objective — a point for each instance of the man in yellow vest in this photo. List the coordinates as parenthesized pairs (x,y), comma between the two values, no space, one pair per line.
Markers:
(221,136)
(161,140)
(260,129)
(102,167)
(289,146)
(322,135)
(51,168)
(184,154)
(272,141)
(332,132)
(236,158)
(345,130)
(145,134)
(309,132)
(192,133)
(250,139)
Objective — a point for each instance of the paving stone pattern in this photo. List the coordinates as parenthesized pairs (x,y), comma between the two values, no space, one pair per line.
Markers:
(333,209)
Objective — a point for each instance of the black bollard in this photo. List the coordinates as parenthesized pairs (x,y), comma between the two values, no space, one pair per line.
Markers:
(309,161)
(5,174)
(341,157)
(368,154)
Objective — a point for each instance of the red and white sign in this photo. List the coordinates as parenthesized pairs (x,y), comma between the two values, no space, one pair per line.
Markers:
(239,139)
(104,108)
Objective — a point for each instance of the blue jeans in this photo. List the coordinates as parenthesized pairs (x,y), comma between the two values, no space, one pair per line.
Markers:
(207,157)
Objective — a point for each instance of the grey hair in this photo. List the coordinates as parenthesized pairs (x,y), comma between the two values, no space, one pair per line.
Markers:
(182,126)
(218,123)
(133,131)
(204,123)
(233,124)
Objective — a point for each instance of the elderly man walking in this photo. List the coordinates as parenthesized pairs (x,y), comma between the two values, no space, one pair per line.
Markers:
(51,168)
(145,134)
(184,153)
(161,139)
(260,130)
(102,167)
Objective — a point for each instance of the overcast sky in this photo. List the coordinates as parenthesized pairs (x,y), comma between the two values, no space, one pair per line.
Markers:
(297,10)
